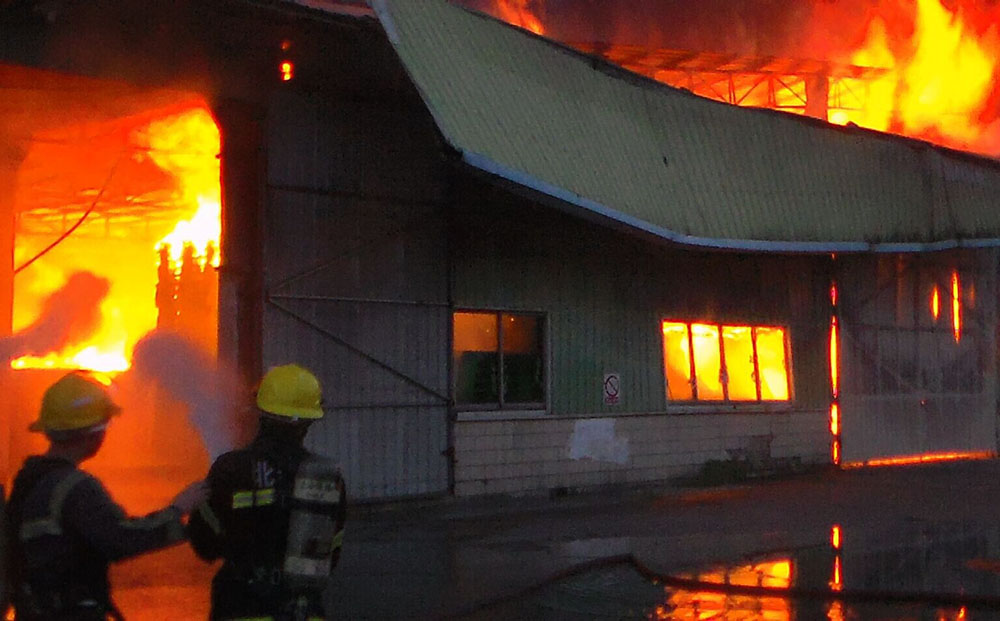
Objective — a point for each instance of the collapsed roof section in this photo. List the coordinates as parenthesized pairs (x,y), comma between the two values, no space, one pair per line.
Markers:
(692,171)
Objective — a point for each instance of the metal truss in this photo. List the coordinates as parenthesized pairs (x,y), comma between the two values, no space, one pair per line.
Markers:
(762,81)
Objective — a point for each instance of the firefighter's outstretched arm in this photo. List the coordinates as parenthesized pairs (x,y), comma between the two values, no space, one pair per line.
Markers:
(105,526)
(205,529)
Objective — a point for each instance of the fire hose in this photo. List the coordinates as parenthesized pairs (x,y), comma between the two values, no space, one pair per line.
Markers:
(943,600)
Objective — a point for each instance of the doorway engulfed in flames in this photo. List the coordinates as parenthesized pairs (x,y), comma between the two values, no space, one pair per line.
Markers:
(135,200)
(113,191)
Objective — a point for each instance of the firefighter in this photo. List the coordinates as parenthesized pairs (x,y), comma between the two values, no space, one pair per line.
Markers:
(275,512)
(63,527)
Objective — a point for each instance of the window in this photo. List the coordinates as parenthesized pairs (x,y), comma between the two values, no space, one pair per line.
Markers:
(710,362)
(499,359)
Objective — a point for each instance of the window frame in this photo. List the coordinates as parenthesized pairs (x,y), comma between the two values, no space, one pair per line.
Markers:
(742,404)
(520,407)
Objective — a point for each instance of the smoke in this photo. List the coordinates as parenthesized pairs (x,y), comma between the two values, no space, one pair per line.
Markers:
(69,315)
(212,393)
(746,27)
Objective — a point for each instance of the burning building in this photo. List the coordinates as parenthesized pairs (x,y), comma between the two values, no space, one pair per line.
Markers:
(516,266)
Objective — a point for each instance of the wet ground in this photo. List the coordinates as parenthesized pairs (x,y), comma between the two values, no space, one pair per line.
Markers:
(902,543)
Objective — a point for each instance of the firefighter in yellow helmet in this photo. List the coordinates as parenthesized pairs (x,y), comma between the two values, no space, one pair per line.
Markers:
(275,512)
(63,527)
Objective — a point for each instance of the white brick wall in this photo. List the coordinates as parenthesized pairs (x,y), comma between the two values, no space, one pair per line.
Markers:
(533,454)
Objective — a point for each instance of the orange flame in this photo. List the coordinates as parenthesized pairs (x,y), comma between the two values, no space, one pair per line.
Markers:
(956,306)
(834,419)
(939,83)
(517,13)
(187,146)
(837,583)
(935,303)
(921,459)
(177,149)
(834,359)
(835,536)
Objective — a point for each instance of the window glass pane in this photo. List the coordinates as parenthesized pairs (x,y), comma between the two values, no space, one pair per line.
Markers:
(707,364)
(738,343)
(772,364)
(476,358)
(677,361)
(523,359)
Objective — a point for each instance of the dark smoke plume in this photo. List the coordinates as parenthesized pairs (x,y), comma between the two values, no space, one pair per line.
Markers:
(213,394)
(69,316)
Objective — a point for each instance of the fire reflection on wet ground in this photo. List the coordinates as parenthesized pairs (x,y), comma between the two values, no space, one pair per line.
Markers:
(918,571)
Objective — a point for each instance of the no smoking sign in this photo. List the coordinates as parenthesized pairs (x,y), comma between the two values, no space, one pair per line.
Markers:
(612,388)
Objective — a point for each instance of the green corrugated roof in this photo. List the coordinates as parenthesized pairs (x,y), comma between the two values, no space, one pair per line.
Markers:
(682,167)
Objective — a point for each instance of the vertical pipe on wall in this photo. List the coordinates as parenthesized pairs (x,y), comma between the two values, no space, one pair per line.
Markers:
(241,275)
(11,155)
(450,206)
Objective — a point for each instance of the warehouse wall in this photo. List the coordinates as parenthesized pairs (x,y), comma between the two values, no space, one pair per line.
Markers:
(355,280)
(604,294)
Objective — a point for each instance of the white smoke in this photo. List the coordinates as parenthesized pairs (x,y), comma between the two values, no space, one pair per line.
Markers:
(212,393)
(70,315)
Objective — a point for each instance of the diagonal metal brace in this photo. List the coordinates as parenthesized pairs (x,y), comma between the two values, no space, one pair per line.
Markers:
(358,351)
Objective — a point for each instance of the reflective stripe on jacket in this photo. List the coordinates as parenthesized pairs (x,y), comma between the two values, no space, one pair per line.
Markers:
(64,530)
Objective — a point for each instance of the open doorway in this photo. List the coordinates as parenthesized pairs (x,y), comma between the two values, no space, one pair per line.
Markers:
(121,182)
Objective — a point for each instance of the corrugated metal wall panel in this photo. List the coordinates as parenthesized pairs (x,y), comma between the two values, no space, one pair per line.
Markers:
(385,452)
(356,279)
(909,388)
(605,294)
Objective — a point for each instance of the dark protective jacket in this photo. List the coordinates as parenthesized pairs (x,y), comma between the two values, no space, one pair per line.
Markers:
(253,496)
(63,531)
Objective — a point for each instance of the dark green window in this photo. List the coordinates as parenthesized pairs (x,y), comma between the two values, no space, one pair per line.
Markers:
(499,359)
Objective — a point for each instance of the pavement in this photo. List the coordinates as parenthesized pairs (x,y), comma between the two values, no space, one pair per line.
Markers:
(474,558)
(465,558)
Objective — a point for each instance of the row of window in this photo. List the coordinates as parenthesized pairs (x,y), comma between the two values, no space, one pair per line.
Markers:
(500,361)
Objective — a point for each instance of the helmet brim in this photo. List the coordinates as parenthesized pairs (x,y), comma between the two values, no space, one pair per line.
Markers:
(285,412)
(111,411)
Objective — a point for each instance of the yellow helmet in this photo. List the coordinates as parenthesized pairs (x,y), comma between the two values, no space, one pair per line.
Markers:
(77,401)
(290,391)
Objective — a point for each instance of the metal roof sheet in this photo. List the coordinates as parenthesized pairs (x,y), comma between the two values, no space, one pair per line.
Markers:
(675,165)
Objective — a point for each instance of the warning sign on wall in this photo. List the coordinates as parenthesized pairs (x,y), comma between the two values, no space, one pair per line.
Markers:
(612,389)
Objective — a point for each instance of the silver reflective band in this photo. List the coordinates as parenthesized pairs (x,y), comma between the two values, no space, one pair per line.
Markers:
(316,490)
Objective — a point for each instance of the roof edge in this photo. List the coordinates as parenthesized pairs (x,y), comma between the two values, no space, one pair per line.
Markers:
(491,167)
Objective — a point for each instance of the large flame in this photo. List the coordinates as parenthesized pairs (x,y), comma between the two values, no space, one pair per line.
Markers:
(940,58)
(941,80)
(186,146)
(172,163)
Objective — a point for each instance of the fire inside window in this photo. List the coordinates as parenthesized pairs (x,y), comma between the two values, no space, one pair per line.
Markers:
(712,362)
(287,71)
(499,359)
